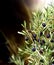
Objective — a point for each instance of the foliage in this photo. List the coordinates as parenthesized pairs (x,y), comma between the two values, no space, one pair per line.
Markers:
(39,41)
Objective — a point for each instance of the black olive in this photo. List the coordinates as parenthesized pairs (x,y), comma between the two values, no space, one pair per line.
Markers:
(52,40)
(43,24)
(42,42)
(42,60)
(34,49)
(41,33)
(38,40)
(34,36)
(48,35)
